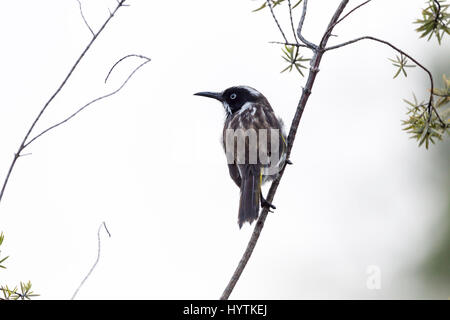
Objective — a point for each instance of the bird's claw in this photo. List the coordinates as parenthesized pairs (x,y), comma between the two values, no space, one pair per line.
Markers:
(266,204)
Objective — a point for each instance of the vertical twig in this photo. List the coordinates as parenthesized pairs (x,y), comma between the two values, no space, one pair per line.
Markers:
(300,28)
(276,20)
(103,224)
(292,21)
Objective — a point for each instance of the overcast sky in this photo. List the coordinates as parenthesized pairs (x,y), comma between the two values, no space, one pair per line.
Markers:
(149,162)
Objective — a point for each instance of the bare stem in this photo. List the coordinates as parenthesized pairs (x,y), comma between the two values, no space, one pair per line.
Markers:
(276,20)
(102,225)
(23,144)
(84,19)
(292,21)
(290,44)
(430,106)
(123,58)
(300,28)
(147,60)
(348,13)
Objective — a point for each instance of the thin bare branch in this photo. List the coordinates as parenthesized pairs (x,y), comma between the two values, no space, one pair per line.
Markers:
(123,58)
(289,44)
(147,60)
(290,141)
(292,21)
(120,4)
(330,27)
(310,45)
(102,225)
(84,19)
(349,13)
(430,106)
(25,154)
(276,20)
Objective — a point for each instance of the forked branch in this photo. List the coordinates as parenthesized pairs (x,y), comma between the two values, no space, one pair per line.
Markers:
(147,60)
(26,141)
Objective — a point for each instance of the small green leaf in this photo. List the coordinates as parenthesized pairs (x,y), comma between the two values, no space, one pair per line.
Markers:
(260,8)
(401,63)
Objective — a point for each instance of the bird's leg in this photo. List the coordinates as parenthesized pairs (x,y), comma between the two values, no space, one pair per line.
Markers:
(266,204)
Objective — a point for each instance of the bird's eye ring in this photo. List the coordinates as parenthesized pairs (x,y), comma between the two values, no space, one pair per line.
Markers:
(233,96)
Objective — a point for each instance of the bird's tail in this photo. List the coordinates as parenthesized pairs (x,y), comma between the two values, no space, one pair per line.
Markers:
(250,193)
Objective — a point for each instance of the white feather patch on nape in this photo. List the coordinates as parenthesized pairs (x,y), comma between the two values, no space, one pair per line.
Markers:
(253,92)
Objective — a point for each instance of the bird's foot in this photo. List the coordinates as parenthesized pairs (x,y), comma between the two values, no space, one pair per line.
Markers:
(289,161)
(266,204)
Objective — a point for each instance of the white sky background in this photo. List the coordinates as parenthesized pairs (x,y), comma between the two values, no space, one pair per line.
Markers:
(148,161)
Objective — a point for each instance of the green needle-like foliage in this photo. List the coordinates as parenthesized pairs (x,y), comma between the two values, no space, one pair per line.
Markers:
(2,259)
(425,126)
(25,292)
(294,59)
(401,63)
(275,3)
(435,20)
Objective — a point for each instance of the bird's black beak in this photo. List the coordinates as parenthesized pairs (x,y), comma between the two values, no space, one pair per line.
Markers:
(214,95)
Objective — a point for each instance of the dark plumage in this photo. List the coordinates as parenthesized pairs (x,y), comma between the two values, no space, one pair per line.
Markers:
(250,131)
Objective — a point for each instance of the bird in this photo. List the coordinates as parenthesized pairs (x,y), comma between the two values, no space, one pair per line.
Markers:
(255,144)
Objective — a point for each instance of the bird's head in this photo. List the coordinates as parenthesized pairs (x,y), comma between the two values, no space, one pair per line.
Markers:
(234,98)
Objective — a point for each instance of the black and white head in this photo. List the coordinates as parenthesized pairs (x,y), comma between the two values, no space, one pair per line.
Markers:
(235,98)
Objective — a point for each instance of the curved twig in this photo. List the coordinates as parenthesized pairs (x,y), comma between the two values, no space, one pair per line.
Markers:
(84,19)
(430,106)
(147,60)
(120,3)
(123,58)
(103,224)
(310,45)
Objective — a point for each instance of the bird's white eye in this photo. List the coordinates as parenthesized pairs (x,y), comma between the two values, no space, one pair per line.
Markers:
(233,96)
